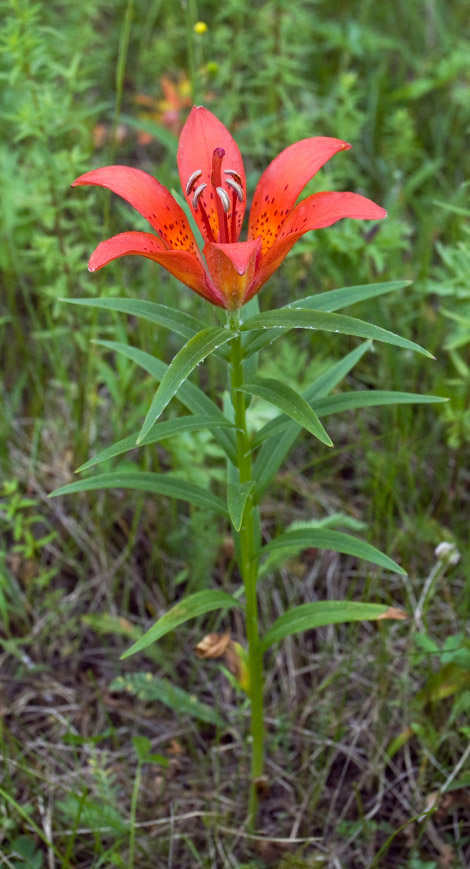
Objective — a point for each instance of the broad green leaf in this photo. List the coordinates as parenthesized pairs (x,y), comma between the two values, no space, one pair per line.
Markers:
(161,431)
(326,612)
(237,494)
(159,484)
(348,401)
(185,361)
(333,300)
(189,394)
(274,450)
(291,403)
(170,318)
(190,608)
(150,688)
(296,540)
(303,318)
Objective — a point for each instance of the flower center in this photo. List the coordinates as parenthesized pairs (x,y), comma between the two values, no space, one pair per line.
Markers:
(226,205)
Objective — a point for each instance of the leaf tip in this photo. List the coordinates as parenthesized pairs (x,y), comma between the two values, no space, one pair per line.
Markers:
(393,613)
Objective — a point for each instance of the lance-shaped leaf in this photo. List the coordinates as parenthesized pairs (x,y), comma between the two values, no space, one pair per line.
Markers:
(237,495)
(294,541)
(189,394)
(326,612)
(185,361)
(195,605)
(274,450)
(333,300)
(170,318)
(300,318)
(160,432)
(291,403)
(348,401)
(158,484)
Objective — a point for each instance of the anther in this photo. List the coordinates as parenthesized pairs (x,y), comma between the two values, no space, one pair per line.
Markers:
(197,194)
(224,198)
(236,187)
(192,178)
(234,174)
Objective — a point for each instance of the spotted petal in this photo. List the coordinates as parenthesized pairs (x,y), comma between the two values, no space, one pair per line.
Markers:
(200,136)
(182,264)
(283,180)
(314,212)
(150,198)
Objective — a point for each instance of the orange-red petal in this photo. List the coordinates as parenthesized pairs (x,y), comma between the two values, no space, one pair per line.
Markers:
(182,264)
(314,212)
(149,198)
(283,181)
(200,136)
(233,269)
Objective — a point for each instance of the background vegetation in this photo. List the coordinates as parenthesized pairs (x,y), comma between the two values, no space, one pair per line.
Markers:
(107,763)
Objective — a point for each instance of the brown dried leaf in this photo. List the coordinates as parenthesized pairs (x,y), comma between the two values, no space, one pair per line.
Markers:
(393,613)
(175,748)
(213,645)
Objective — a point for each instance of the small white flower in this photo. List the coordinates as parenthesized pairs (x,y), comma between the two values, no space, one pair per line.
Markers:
(447,553)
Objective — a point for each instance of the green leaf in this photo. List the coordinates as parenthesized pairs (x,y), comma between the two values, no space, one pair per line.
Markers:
(159,432)
(185,361)
(159,484)
(193,606)
(348,401)
(291,403)
(303,318)
(296,540)
(189,394)
(330,301)
(326,612)
(237,494)
(151,689)
(170,318)
(333,300)
(274,450)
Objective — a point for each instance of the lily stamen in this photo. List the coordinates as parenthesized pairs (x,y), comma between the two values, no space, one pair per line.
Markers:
(224,198)
(197,194)
(234,185)
(192,178)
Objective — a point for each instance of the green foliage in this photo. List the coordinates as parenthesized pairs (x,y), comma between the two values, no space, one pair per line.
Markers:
(316,615)
(151,689)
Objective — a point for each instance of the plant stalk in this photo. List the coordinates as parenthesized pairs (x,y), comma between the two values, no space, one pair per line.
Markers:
(248,568)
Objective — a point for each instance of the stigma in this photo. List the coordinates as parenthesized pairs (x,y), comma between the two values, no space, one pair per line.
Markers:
(226,199)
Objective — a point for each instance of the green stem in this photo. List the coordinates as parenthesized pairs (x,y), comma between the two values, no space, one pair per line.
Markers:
(134,798)
(248,568)
(191,18)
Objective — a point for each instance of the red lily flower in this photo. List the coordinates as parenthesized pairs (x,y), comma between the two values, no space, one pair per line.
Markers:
(213,179)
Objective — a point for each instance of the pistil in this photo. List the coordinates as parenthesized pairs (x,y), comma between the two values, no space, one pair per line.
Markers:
(223,204)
